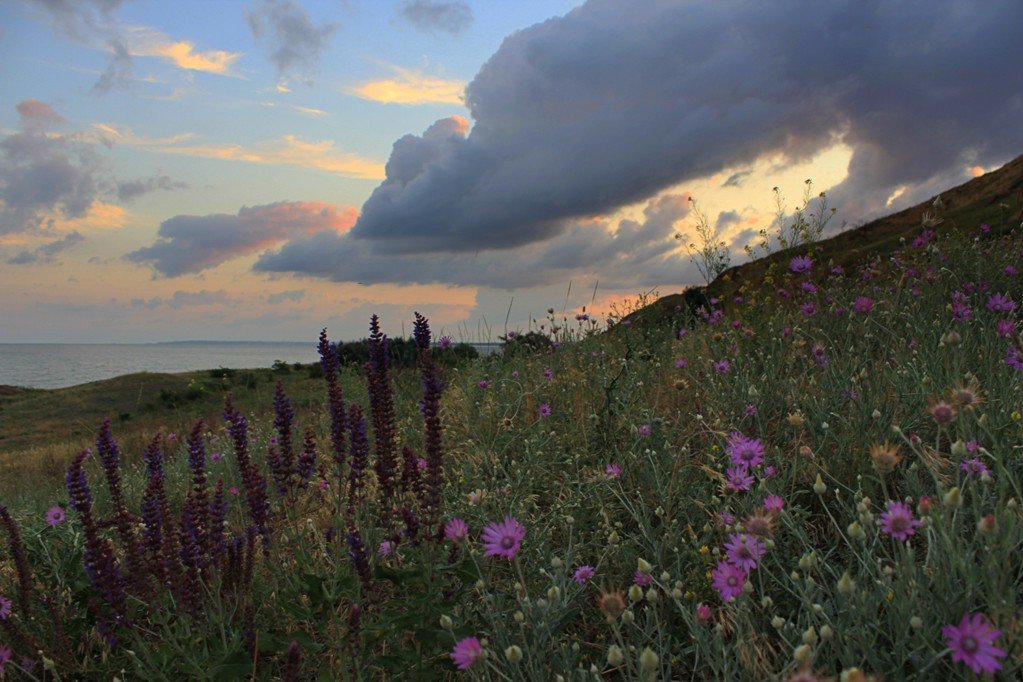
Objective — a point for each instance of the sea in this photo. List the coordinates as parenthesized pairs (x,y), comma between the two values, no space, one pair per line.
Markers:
(69,364)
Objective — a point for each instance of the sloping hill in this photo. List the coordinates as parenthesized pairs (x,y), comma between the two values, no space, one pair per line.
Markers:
(995,198)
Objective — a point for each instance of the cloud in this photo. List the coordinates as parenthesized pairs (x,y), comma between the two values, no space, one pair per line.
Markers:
(434,15)
(615,102)
(289,150)
(186,299)
(412,87)
(192,243)
(620,254)
(47,252)
(284,296)
(44,175)
(738,178)
(726,218)
(295,43)
(148,42)
(133,189)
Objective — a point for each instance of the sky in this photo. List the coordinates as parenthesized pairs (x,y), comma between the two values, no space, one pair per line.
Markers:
(261,169)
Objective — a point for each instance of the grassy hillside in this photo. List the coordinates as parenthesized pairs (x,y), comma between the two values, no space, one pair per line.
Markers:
(994,199)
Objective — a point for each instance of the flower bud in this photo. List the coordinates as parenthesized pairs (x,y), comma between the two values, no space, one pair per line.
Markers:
(628,617)
(553,593)
(802,653)
(557,563)
(810,636)
(852,675)
(644,566)
(826,632)
(777,622)
(924,505)
(988,524)
(613,538)
(635,593)
(916,622)
(615,657)
(651,595)
(953,498)
(959,448)
(513,654)
(846,585)
(446,623)
(648,660)
(519,616)
(818,486)
(541,603)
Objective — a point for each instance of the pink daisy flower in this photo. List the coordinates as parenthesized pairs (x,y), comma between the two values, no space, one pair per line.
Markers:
(800,264)
(898,521)
(504,538)
(703,612)
(744,551)
(55,515)
(739,478)
(545,410)
(612,471)
(583,574)
(642,579)
(774,503)
(975,467)
(466,652)
(728,580)
(456,529)
(972,643)
(863,304)
(644,430)
(747,452)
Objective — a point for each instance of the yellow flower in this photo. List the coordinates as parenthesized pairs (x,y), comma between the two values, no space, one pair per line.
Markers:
(709,575)
(890,596)
(1016,416)
(704,549)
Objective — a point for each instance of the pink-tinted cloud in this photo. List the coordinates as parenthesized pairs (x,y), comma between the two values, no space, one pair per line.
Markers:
(193,243)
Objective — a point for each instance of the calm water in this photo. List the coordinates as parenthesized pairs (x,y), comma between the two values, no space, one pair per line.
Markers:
(59,365)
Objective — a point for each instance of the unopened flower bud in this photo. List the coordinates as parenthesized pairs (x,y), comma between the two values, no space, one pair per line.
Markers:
(818,486)
(644,566)
(553,593)
(987,524)
(635,593)
(446,623)
(826,632)
(651,595)
(519,616)
(628,617)
(513,654)
(846,585)
(615,657)
(541,603)
(810,636)
(852,675)
(959,448)
(777,622)
(953,498)
(802,653)
(648,660)
(916,622)
(557,563)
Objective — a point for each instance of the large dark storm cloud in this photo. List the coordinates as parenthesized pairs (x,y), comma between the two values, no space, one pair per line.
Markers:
(618,100)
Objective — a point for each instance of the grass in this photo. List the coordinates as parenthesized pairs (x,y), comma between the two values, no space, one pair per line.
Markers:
(615,452)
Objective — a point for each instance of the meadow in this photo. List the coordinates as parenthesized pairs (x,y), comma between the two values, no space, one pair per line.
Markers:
(815,477)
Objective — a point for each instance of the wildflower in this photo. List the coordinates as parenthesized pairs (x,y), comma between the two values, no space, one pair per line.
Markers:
(943,413)
(809,309)
(898,521)
(863,304)
(483,383)
(5,607)
(612,471)
(967,397)
(1014,358)
(974,467)
(5,655)
(746,452)
(725,519)
(722,366)
(728,580)
(641,579)
(611,604)
(548,374)
(744,551)
(759,524)
(504,538)
(234,489)
(739,478)
(924,505)
(680,363)
(972,643)
(644,429)
(583,574)
(808,287)
(615,657)
(466,652)
(774,503)
(751,410)
(444,342)
(703,612)
(885,457)
(55,516)
(545,410)
(456,529)
(386,548)
(1005,328)
(800,264)
(987,524)
(648,660)
(1000,303)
